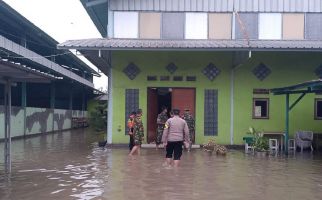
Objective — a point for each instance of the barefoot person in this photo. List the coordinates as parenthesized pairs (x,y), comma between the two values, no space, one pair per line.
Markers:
(130,125)
(162,118)
(138,133)
(176,132)
(187,116)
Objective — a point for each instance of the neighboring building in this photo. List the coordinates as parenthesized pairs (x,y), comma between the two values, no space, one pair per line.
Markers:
(217,57)
(39,105)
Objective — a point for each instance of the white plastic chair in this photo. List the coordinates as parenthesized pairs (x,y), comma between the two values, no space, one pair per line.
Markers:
(273,144)
(304,139)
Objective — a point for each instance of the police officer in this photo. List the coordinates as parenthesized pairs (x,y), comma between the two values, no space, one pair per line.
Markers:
(187,116)
(175,134)
(162,118)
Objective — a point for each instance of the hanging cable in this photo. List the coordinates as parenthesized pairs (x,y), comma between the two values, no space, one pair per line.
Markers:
(242,26)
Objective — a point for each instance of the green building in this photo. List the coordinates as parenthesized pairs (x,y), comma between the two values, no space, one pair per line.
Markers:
(218,58)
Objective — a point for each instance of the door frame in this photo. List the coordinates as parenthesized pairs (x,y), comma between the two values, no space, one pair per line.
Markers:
(147,106)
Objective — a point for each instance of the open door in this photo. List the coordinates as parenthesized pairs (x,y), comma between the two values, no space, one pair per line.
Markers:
(183,98)
(152,115)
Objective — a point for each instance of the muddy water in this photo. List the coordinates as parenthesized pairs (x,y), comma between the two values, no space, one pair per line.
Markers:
(69,165)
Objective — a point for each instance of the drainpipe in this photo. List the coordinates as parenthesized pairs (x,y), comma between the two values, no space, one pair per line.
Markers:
(232,91)
(232,82)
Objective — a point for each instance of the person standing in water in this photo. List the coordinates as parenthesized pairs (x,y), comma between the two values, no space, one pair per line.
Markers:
(138,132)
(162,118)
(130,125)
(187,116)
(175,134)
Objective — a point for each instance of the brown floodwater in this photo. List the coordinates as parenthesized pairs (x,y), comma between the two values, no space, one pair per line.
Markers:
(70,165)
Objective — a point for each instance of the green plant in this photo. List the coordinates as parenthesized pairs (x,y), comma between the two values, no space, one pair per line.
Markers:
(260,143)
(98,116)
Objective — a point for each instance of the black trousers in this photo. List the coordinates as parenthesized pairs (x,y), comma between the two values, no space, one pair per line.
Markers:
(174,149)
(131,143)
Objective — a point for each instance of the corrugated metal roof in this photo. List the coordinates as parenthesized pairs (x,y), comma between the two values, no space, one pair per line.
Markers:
(142,44)
(218,5)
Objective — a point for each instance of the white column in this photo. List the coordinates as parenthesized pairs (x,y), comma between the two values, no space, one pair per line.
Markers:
(109,107)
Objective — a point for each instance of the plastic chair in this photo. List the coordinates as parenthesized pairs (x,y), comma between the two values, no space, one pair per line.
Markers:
(248,143)
(291,145)
(273,144)
(304,139)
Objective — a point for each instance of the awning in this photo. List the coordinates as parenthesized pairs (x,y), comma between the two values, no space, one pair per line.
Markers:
(210,45)
(17,72)
(11,72)
(313,86)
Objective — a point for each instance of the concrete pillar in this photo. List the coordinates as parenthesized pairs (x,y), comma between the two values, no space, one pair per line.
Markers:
(24,104)
(71,97)
(52,102)
(7,146)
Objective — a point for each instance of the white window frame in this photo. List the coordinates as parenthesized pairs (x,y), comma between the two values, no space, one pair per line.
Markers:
(270,26)
(196,25)
(126,24)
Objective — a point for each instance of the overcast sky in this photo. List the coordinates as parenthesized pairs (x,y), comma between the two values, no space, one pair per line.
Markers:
(62,20)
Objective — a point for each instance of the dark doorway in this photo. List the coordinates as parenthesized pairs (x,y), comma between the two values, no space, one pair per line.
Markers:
(169,97)
(157,98)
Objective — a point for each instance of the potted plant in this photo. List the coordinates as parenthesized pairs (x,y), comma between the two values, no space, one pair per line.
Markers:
(260,143)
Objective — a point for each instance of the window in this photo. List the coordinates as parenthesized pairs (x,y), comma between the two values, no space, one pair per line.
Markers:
(211,112)
(270,26)
(313,26)
(220,25)
(172,25)
(150,25)
(246,25)
(293,26)
(260,108)
(126,24)
(318,109)
(196,26)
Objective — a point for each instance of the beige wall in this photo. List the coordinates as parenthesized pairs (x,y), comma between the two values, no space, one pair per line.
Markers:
(150,25)
(220,26)
(293,26)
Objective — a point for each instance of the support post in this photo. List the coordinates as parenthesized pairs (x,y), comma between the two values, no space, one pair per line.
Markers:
(52,103)
(71,97)
(24,104)
(287,112)
(83,102)
(7,103)
(109,107)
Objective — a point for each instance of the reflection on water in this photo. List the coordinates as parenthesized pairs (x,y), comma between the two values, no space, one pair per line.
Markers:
(69,165)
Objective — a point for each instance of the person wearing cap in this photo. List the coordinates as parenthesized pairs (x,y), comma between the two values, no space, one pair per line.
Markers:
(162,118)
(187,116)
(175,134)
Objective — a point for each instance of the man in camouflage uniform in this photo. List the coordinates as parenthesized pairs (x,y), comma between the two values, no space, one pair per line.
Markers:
(138,132)
(191,125)
(162,118)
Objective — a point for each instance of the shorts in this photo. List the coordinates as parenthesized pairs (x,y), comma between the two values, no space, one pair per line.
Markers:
(174,149)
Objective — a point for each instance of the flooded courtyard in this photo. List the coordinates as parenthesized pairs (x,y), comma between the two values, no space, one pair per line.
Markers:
(70,165)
